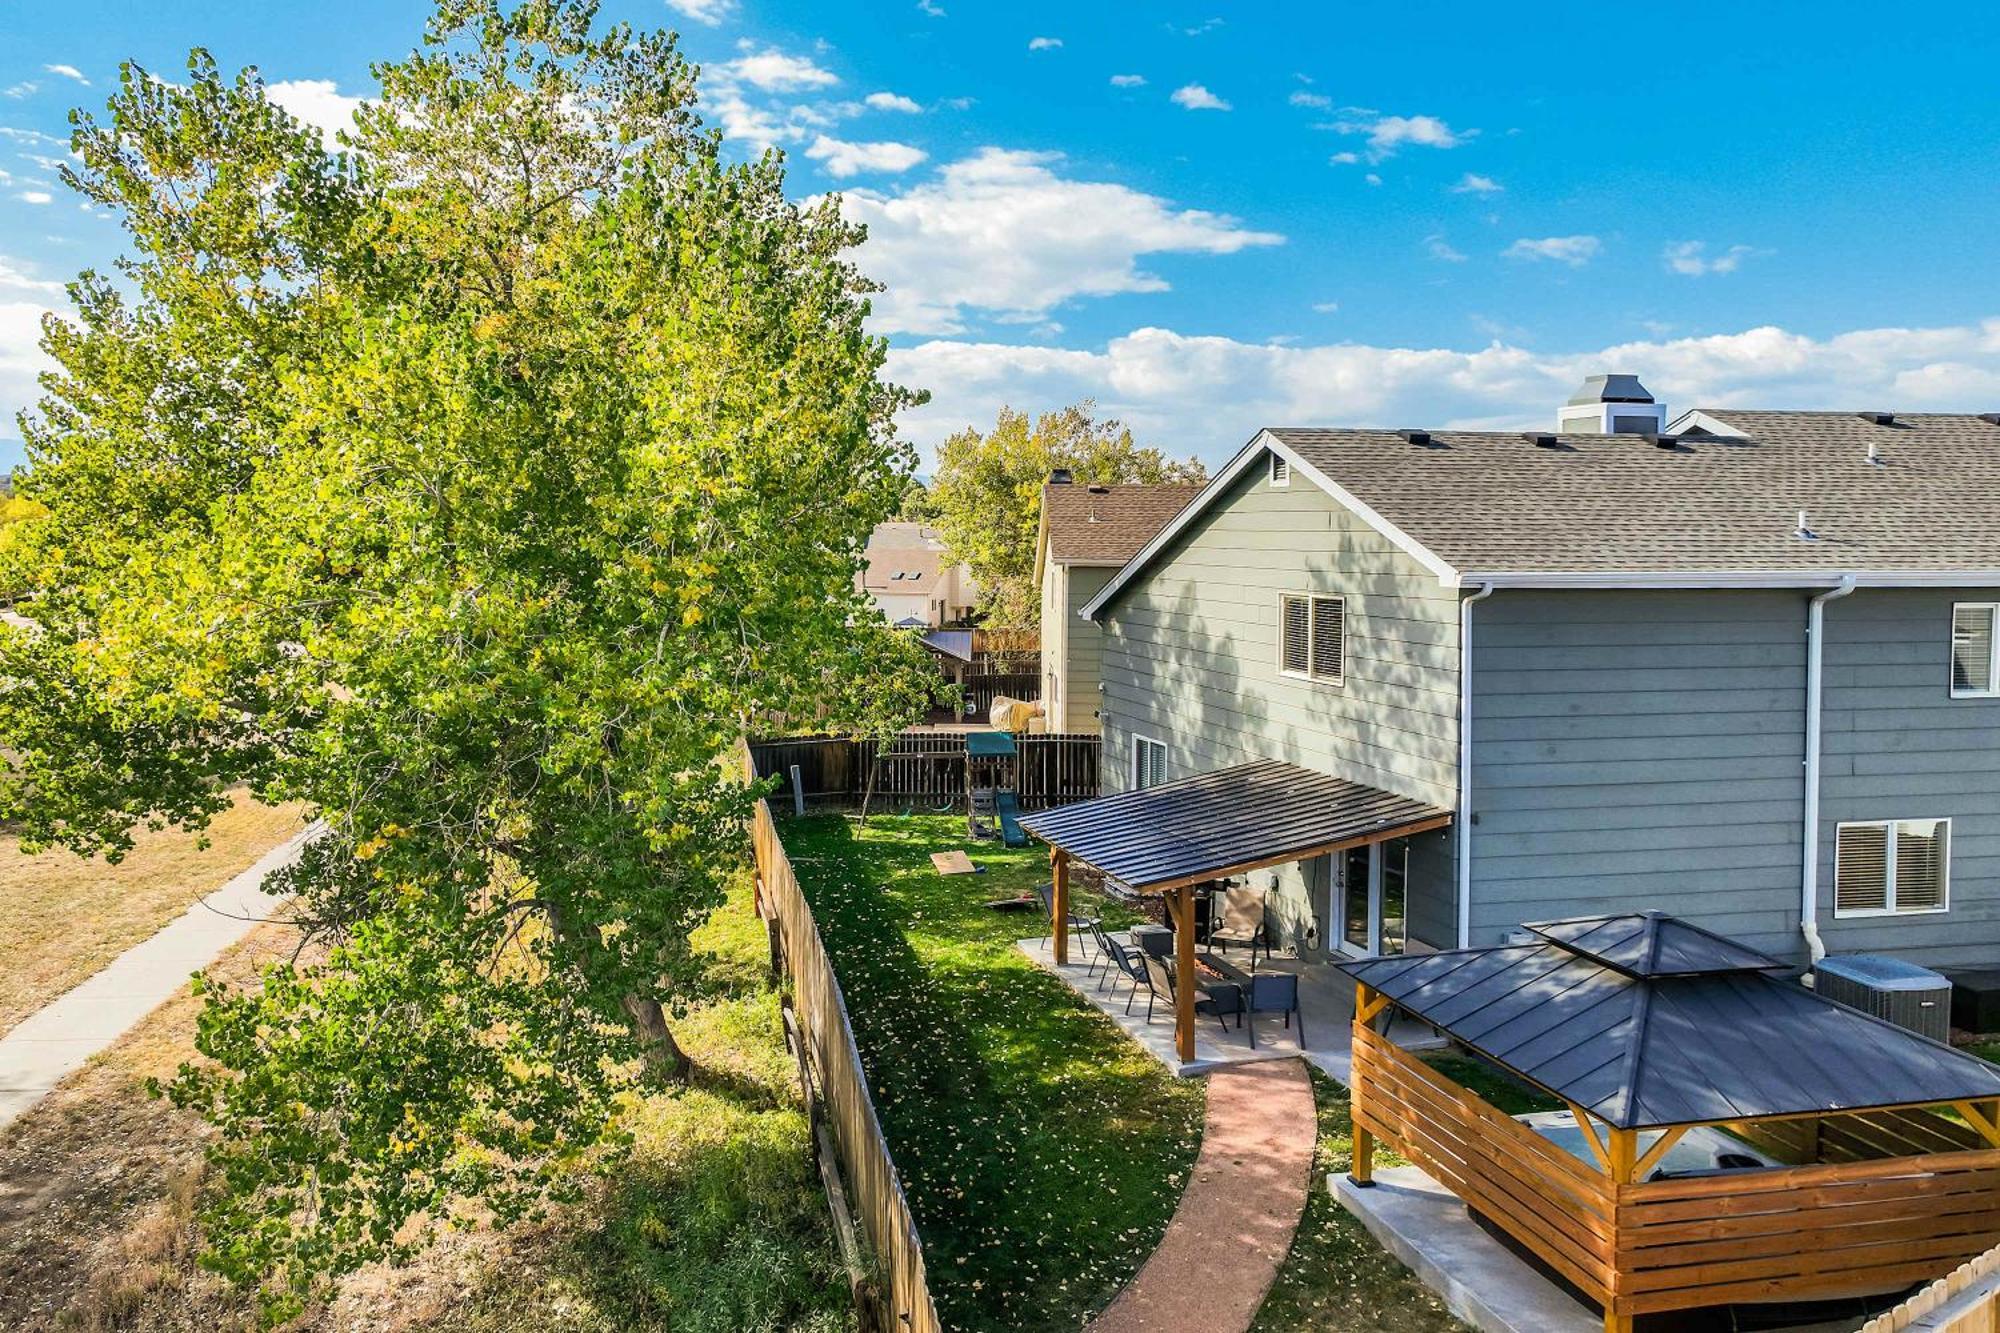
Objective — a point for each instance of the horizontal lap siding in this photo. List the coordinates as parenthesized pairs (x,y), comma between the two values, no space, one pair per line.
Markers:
(1895,744)
(1637,750)
(1086,649)
(1190,654)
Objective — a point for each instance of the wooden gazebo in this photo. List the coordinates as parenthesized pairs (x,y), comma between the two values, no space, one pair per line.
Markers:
(1168,839)
(1648,1028)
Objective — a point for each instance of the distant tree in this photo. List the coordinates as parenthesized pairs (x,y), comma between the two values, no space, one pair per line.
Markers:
(916,506)
(988,492)
(475,488)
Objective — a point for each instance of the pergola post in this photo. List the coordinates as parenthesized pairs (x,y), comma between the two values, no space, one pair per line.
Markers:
(1184,987)
(1059,925)
(1361,1166)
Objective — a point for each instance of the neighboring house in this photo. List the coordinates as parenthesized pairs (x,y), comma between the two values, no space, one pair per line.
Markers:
(1086,534)
(1746,674)
(912,581)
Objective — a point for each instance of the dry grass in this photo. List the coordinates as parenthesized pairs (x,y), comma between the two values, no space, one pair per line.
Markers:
(64,918)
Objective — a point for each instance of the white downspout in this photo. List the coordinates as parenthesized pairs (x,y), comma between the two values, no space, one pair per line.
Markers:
(1463,824)
(1809,858)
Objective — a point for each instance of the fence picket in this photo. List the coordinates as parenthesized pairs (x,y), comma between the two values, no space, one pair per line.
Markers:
(1056,768)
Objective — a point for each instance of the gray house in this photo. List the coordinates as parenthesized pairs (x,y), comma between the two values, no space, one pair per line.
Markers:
(1741,668)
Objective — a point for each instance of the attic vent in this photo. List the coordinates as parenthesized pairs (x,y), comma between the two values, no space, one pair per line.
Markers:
(1095,489)
(1542,439)
(1281,471)
(1878,418)
(1990,418)
(1415,436)
(1661,441)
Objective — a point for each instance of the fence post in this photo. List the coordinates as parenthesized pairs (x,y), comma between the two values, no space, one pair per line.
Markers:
(798,794)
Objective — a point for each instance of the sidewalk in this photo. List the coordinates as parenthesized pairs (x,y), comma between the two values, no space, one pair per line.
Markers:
(60,1037)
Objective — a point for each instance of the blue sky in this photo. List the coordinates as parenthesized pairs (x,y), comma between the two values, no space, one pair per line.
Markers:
(1212,218)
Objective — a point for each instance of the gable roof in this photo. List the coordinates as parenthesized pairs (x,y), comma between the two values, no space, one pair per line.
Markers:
(906,569)
(1105,525)
(1671,1048)
(1701,509)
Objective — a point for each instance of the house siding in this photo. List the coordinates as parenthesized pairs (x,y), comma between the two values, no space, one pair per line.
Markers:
(1054,641)
(1085,652)
(1894,744)
(1190,656)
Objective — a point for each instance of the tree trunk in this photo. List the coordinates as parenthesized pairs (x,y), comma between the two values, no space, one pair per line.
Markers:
(664,1058)
(874,767)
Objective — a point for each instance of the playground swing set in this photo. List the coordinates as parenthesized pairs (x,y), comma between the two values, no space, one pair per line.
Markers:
(992,784)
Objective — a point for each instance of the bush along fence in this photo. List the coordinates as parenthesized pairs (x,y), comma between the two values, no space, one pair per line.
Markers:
(925,768)
(899,1296)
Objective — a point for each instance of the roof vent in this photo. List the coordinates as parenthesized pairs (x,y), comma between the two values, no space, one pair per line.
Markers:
(1096,489)
(1542,439)
(1875,455)
(1061,476)
(1804,530)
(1415,436)
(1611,405)
(1878,418)
(1661,441)
(1990,418)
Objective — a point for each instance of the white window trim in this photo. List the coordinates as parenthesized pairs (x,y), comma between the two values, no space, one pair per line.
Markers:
(1312,611)
(1889,870)
(1139,743)
(1992,691)
(1278,469)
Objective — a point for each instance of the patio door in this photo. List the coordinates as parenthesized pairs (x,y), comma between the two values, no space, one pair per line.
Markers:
(1372,899)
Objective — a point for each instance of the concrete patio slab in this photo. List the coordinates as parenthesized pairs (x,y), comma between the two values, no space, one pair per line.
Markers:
(59,1038)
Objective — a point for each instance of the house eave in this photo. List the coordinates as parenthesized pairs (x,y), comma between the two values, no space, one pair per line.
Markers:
(1727,578)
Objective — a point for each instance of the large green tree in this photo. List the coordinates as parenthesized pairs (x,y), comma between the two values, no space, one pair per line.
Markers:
(476,486)
(986,498)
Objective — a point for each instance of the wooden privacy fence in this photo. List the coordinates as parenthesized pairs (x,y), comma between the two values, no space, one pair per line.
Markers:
(1965,1300)
(928,767)
(1846,1227)
(835,1063)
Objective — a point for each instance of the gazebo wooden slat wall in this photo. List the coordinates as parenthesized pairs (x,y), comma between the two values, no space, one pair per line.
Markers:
(1843,1227)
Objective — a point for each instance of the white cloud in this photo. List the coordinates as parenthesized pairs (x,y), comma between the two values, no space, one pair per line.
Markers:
(843,159)
(1476,184)
(1372,178)
(1001,232)
(710,12)
(320,104)
(1386,134)
(21,90)
(1205,26)
(14,135)
(1318,101)
(1197,98)
(1168,385)
(1128,80)
(773,71)
(1437,247)
(1692,258)
(35,197)
(21,358)
(1576,251)
(15,279)
(67,72)
(1044,43)
(1325,307)
(1344,159)
(931,7)
(891,102)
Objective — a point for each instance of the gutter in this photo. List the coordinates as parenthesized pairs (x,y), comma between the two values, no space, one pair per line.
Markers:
(1809,855)
(1464,821)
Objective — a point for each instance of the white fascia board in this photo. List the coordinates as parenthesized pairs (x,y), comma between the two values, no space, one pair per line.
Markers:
(1249,454)
(1765,578)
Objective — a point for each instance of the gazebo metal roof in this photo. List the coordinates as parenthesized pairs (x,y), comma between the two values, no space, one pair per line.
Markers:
(1230,820)
(1646,1022)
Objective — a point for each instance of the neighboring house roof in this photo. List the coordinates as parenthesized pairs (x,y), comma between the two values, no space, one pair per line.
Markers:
(1671,1048)
(903,570)
(1104,525)
(1715,506)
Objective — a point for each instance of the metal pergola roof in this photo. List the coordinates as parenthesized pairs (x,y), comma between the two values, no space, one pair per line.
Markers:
(1234,819)
(1669,1025)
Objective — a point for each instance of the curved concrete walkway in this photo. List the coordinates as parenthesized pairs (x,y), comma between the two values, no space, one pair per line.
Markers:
(55,1040)
(1235,1221)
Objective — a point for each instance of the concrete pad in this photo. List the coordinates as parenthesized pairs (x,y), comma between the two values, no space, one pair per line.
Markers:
(59,1038)
(1423,1224)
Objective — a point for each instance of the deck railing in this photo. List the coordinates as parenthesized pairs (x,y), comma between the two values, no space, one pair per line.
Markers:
(1841,1228)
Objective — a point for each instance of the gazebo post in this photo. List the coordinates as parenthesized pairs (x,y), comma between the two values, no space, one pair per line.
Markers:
(1059,926)
(1184,974)
(1623,1150)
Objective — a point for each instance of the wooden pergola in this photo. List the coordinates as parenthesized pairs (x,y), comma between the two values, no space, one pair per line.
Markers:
(1648,1029)
(1168,839)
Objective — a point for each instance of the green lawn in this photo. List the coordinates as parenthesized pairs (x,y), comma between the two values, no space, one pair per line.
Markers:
(1042,1151)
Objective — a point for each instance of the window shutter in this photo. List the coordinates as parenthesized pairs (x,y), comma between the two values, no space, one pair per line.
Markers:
(1972,649)
(1861,868)
(1329,637)
(1921,853)
(1298,635)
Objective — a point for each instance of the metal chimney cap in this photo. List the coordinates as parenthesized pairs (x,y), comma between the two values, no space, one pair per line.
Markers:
(1611,389)
(1061,476)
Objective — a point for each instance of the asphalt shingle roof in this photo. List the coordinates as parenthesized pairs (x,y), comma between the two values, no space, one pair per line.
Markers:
(1108,523)
(1486,501)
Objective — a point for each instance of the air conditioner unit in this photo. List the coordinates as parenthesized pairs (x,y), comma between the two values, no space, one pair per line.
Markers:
(1905,994)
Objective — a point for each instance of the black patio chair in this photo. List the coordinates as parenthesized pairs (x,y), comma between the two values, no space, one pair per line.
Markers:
(1103,939)
(1125,963)
(1160,985)
(1275,993)
(1078,925)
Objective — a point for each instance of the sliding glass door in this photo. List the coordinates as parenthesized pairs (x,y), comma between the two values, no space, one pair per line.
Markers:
(1373,897)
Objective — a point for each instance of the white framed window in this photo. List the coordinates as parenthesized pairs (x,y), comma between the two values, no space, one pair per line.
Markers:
(1892,867)
(1975,670)
(1281,470)
(1312,637)
(1149,762)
